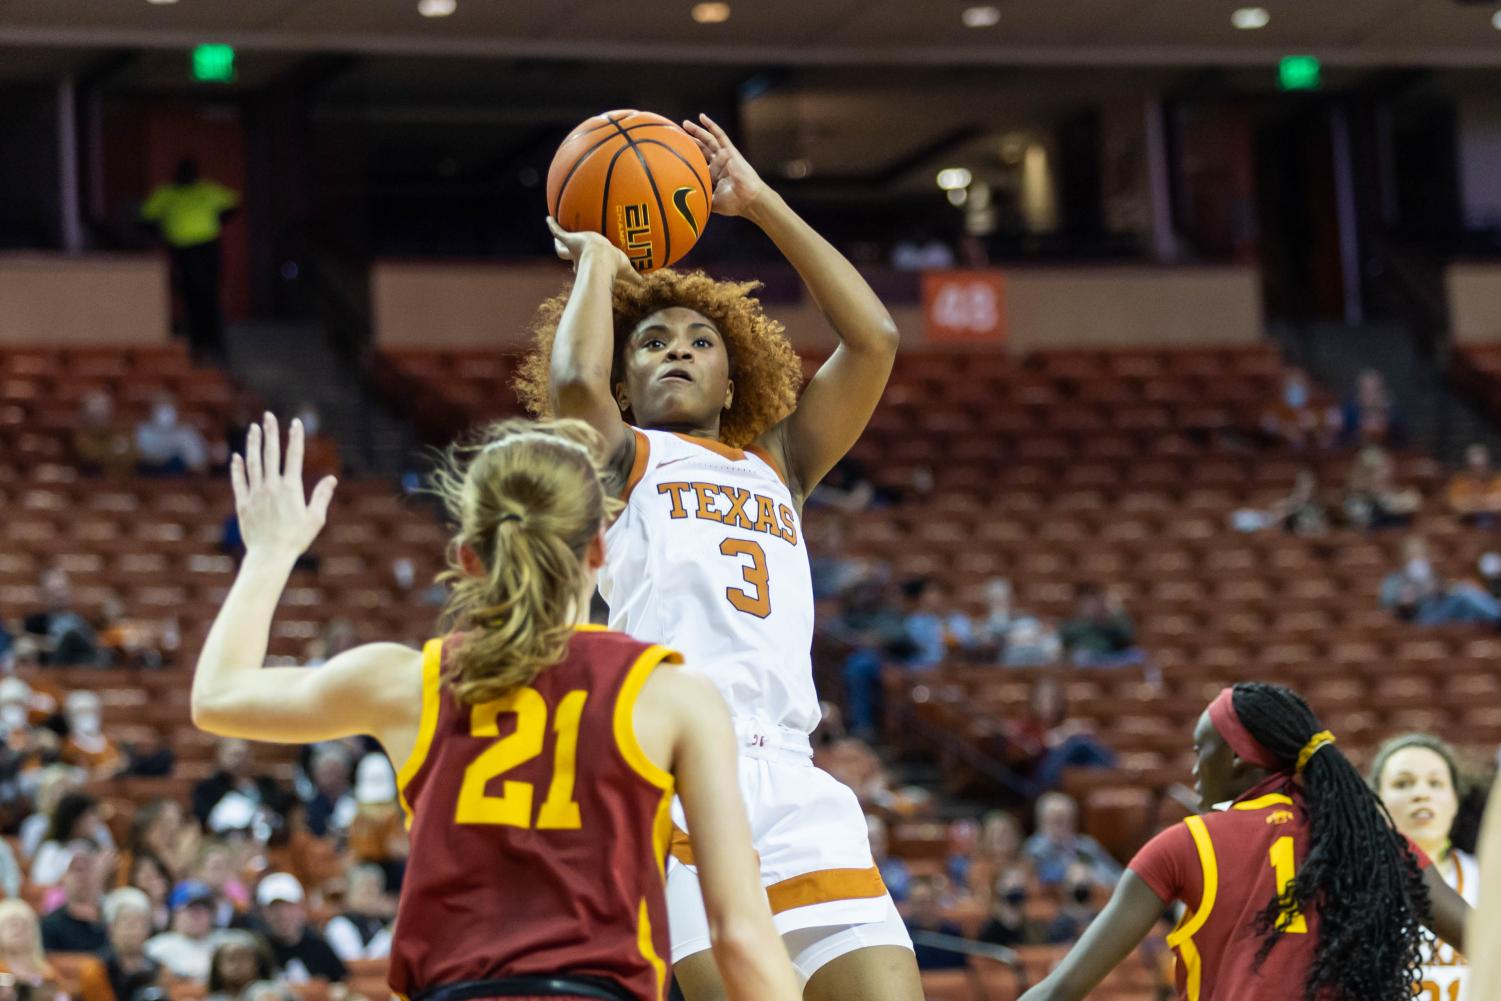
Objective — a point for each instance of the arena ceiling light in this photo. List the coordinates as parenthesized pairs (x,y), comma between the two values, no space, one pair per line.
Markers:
(160,3)
(437,8)
(954,178)
(981,17)
(1496,20)
(711,13)
(1251,18)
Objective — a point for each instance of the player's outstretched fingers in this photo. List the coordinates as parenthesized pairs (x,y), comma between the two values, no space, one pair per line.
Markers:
(271,465)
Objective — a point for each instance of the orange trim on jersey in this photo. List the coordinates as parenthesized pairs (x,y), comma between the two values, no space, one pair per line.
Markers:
(719,448)
(824,886)
(649,951)
(681,847)
(432,672)
(1262,802)
(766,457)
(638,465)
(1181,937)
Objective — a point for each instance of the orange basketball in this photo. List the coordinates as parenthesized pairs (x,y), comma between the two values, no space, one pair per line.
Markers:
(637,178)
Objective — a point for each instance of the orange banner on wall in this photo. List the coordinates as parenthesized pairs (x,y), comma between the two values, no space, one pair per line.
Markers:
(965,305)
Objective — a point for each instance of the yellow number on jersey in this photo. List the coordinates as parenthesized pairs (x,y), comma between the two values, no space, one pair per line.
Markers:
(513,807)
(756,575)
(1436,993)
(1284,865)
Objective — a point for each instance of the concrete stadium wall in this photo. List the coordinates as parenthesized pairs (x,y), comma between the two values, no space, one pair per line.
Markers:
(60,301)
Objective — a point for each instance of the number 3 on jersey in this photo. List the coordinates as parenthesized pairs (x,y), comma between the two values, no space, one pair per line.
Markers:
(756,601)
(513,807)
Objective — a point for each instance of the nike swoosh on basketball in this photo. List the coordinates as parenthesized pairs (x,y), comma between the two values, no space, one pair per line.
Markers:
(680,202)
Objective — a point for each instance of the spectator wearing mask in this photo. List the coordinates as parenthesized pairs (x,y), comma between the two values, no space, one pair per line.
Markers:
(924,913)
(26,745)
(363,929)
(1372,498)
(1295,419)
(1474,493)
(894,871)
(123,969)
(76,819)
(1371,416)
(331,807)
(1078,908)
(78,925)
(1100,634)
(188,949)
(240,960)
(1008,923)
(86,747)
(21,953)
(168,446)
(300,952)
(63,637)
(99,446)
(1057,845)
(1416,593)
(234,779)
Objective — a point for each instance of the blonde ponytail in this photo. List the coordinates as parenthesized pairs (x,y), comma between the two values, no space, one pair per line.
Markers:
(528,499)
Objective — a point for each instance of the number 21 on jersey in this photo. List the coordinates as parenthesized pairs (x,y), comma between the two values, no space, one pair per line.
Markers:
(513,807)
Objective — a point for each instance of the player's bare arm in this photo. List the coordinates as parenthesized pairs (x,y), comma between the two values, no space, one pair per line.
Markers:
(839,400)
(1133,909)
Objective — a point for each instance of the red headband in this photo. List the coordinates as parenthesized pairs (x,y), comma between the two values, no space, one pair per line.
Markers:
(1248,748)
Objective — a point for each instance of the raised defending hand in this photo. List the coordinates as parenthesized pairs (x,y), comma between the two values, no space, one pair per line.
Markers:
(737,186)
(275,516)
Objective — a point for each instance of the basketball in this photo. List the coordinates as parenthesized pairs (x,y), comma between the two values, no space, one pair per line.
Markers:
(637,178)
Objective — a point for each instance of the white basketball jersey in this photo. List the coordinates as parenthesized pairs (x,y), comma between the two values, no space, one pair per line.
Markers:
(1445,974)
(708,558)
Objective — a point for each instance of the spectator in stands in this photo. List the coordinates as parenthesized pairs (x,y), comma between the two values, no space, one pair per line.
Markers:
(86,747)
(1014,638)
(1303,512)
(215,868)
(924,913)
(1489,566)
(331,806)
(964,840)
(1474,493)
(1416,593)
(21,953)
(10,872)
(99,446)
(894,871)
(1046,741)
(148,874)
(1100,634)
(1371,416)
(77,818)
(933,627)
(1058,845)
(240,960)
(63,636)
(123,969)
(1008,923)
(1296,420)
(999,851)
(1078,906)
(1372,498)
(134,642)
(188,949)
(166,445)
(362,930)
(190,214)
(27,747)
(56,780)
(235,778)
(378,833)
(300,952)
(78,925)
(873,627)
(157,828)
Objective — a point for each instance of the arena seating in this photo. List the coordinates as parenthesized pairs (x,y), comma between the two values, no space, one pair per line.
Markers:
(1477,368)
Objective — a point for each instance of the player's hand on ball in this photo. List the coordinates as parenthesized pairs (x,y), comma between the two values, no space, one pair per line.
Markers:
(575,247)
(275,516)
(737,186)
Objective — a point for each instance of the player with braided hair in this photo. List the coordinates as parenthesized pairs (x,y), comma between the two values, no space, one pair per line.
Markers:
(1293,875)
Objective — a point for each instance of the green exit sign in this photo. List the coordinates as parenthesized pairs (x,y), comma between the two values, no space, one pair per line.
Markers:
(214,63)
(1299,73)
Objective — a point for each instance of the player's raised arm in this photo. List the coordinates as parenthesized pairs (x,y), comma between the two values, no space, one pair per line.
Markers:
(687,710)
(838,402)
(583,350)
(370,689)
(1133,909)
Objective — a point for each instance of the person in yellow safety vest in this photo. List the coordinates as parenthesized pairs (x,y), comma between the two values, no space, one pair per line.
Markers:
(190,214)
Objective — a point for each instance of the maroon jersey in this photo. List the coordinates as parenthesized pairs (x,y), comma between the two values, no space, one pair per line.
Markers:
(1226,867)
(539,829)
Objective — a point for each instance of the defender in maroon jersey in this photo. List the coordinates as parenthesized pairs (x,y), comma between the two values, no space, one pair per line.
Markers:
(540,754)
(1294,881)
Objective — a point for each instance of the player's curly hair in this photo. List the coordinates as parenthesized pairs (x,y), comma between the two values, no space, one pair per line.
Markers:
(766,369)
(1360,875)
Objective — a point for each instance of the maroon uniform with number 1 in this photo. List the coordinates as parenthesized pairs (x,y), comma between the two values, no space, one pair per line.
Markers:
(539,829)
(1226,867)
